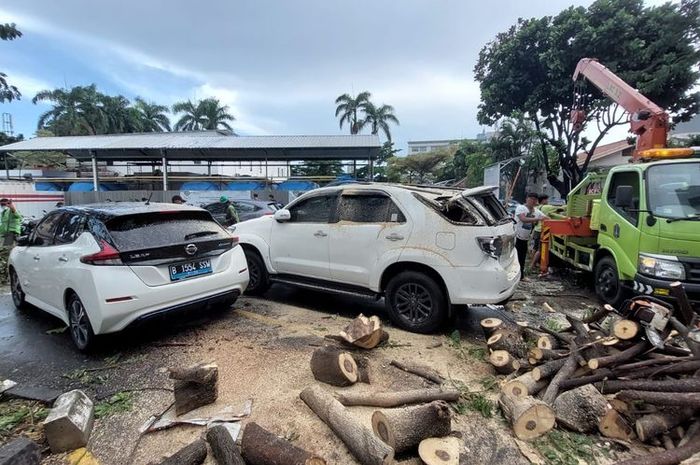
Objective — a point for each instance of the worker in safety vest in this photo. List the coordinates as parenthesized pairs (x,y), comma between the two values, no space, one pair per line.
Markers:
(10,223)
(231,213)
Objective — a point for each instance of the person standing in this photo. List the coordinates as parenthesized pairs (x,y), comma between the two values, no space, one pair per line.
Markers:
(550,211)
(178,200)
(231,213)
(526,217)
(10,223)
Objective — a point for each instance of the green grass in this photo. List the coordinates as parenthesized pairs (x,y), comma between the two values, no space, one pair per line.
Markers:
(489,383)
(564,448)
(14,414)
(119,403)
(465,350)
(474,401)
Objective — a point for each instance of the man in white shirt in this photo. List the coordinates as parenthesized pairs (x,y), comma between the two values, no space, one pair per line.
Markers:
(526,216)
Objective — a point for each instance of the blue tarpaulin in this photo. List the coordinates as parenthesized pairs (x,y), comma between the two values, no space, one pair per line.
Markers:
(48,186)
(199,186)
(293,185)
(85,187)
(245,186)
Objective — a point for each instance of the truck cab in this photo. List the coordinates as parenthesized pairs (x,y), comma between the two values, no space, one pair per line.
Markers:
(645,229)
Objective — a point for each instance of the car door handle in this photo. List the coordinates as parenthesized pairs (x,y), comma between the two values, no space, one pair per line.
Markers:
(320,234)
(63,259)
(394,237)
(36,258)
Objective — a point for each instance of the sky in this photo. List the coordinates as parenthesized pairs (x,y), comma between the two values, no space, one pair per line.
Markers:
(278,64)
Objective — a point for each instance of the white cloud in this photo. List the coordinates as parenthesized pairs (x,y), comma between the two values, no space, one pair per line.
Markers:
(27,85)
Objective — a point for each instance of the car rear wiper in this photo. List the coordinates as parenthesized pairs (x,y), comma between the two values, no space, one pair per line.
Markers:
(200,234)
(687,218)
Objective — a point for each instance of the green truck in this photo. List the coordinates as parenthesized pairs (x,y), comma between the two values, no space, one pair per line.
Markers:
(636,227)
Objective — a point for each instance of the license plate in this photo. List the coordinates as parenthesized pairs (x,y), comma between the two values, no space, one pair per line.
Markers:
(189,269)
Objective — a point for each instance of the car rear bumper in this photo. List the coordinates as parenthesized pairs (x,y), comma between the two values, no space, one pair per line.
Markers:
(223,298)
(488,283)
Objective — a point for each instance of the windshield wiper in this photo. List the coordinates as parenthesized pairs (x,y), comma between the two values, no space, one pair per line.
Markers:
(200,234)
(694,217)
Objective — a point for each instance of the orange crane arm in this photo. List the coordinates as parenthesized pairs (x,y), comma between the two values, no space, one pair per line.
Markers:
(649,121)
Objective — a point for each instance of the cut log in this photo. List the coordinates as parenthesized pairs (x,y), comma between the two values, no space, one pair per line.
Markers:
(490,325)
(195,386)
(613,425)
(668,369)
(503,363)
(363,332)
(422,371)
(664,360)
(685,333)
(360,440)
(680,399)
(668,457)
(542,355)
(686,314)
(261,447)
(439,451)
(548,369)
(580,409)
(364,369)
(332,366)
(574,382)
(651,425)
(547,341)
(666,385)
(223,446)
(633,351)
(564,372)
(508,340)
(529,417)
(523,386)
(193,454)
(403,429)
(625,329)
(396,399)
(599,314)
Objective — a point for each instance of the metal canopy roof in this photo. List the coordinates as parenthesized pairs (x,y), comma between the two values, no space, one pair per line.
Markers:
(205,145)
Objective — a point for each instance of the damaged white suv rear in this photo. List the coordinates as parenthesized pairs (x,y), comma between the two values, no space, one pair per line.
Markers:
(423,249)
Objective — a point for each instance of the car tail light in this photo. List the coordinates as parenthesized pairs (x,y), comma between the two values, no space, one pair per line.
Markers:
(492,246)
(107,255)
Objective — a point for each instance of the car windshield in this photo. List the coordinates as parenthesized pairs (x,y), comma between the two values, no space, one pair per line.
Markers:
(674,190)
(158,229)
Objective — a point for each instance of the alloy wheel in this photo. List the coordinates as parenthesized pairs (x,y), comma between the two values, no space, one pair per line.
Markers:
(413,302)
(79,323)
(16,289)
(253,274)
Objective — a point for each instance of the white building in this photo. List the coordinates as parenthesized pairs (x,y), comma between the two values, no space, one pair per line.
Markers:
(616,153)
(421,146)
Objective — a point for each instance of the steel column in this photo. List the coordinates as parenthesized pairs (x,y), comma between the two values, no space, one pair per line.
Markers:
(95,180)
(165,170)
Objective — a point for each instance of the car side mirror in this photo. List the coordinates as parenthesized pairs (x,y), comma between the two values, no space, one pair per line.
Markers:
(282,215)
(623,197)
(23,241)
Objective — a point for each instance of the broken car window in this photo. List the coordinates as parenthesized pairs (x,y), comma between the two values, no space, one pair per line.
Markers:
(369,209)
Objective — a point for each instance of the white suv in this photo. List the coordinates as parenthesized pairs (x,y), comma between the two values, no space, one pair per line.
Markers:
(421,248)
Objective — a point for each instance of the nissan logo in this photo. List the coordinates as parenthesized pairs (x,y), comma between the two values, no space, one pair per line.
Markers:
(191,249)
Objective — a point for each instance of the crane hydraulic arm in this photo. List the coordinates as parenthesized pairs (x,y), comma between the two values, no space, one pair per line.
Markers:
(649,122)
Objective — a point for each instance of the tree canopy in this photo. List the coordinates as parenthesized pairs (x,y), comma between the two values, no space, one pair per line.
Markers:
(206,114)
(359,112)
(528,69)
(8,92)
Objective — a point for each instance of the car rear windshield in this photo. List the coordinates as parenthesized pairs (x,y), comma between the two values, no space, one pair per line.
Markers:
(158,229)
(490,204)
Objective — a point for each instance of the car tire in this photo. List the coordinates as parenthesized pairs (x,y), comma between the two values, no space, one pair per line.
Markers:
(416,302)
(259,278)
(608,287)
(18,295)
(79,324)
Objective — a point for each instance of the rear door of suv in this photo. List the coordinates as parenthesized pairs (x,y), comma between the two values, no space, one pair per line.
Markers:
(371,225)
(163,247)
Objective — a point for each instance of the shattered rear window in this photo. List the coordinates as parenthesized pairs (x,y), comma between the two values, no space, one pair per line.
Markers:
(455,212)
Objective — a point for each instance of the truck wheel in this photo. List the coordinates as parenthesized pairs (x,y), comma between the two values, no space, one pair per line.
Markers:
(259,279)
(607,282)
(415,302)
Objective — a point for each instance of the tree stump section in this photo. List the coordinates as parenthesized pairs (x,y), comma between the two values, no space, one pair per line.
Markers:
(580,409)
(439,451)
(547,342)
(363,332)
(195,386)
(490,325)
(223,446)
(615,426)
(523,386)
(510,341)
(261,447)
(332,366)
(193,454)
(403,429)
(503,363)
(529,417)
(360,440)
(396,399)
(625,329)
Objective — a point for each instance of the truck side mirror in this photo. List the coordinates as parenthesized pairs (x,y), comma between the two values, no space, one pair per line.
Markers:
(623,197)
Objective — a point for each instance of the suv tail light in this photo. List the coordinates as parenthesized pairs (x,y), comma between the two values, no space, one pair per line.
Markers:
(107,255)
(492,246)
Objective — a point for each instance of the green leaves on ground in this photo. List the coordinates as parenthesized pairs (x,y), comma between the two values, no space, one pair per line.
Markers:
(565,448)
(19,415)
(118,403)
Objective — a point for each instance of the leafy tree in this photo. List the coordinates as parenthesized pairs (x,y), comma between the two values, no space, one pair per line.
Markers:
(348,108)
(204,114)
(75,111)
(419,168)
(318,168)
(385,153)
(152,117)
(117,116)
(34,159)
(8,92)
(528,69)
(378,118)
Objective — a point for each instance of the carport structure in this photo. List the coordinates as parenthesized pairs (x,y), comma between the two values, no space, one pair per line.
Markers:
(162,147)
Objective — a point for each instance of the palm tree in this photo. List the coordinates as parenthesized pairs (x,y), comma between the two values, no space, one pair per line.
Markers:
(117,116)
(75,111)
(378,118)
(152,116)
(192,120)
(216,115)
(348,107)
